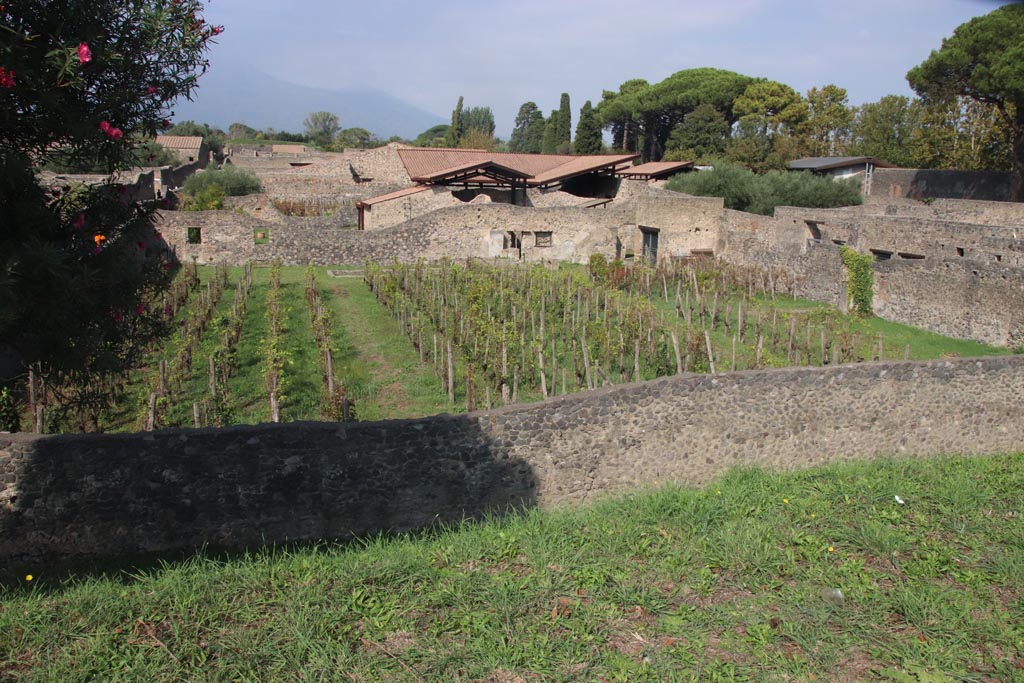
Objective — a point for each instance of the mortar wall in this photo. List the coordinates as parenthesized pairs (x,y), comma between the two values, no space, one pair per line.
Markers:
(109,494)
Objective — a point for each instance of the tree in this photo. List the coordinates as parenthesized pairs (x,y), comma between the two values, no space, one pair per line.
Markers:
(774,107)
(479,118)
(237,131)
(457,127)
(356,138)
(435,136)
(828,121)
(884,130)
(563,126)
(549,140)
(79,301)
(616,111)
(588,131)
(982,61)
(702,135)
(528,132)
(478,139)
(321,127)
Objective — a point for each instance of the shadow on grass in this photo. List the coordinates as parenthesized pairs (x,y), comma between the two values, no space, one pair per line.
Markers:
(99,503)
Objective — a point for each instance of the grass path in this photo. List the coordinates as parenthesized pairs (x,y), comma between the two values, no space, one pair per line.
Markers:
(900,571)
(378,363)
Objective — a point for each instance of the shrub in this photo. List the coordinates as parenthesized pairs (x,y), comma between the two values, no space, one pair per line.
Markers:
(208,199)
(744,190)
(233,182)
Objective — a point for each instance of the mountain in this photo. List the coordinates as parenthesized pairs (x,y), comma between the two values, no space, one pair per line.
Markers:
(231,93)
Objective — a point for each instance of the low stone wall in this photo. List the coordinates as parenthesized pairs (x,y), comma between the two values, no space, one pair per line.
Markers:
(63,496)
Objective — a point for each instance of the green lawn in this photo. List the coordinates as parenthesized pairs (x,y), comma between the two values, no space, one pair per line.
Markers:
(822,575)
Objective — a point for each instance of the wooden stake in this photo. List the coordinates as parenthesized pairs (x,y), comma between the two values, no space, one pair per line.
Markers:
(675,348)
(711,351)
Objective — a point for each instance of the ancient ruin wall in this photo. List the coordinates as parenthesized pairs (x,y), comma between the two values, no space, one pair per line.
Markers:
(926,184)
(98,494)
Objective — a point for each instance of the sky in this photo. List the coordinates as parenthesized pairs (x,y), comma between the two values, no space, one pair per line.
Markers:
(502,54)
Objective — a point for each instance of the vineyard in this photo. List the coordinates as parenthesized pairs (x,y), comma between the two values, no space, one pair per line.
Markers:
(269,343)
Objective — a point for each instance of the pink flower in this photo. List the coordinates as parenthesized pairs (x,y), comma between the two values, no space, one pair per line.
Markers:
(6,78)
(151,90)
(140,309)
(217,30)
(84,53)
(110,131)
(118,316)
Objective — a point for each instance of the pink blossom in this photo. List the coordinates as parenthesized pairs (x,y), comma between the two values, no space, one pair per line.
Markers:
(151,90)
(6,78)
(84,53)
(217,30)
(110,131)
(140,309)
(118,316)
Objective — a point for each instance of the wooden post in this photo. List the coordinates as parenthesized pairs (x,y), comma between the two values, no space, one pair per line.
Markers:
(760,350)
(196,421)
(505,394)
(636,360)
(711,351)
(329,356)
(213,377)
(151,417)
(675,348)
(451,373)
(540,368)
(515,384)
(734,340)
(586,363)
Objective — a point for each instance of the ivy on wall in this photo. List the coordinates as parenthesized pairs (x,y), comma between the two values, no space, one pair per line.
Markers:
(860,280)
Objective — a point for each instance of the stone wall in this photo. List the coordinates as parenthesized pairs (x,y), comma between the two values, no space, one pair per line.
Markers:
(75,495)
(954,298)
(921,183)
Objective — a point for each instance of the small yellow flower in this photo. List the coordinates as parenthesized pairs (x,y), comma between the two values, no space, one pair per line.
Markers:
(831,549)
(786,501)
(813,515)
(29,577)
(718,493)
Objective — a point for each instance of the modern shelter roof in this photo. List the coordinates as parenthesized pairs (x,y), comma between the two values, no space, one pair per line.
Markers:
(180,141)
(828,163)
(397,194)
(536,169)
(655,169)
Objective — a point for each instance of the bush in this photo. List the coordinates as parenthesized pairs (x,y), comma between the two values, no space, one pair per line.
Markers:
(207,199)
(744,190)
(233,182)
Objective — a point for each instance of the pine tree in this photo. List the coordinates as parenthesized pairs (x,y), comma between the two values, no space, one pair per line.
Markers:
(528,133)
(588,131)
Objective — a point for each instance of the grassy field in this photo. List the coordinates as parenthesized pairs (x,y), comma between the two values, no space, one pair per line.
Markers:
(905,571)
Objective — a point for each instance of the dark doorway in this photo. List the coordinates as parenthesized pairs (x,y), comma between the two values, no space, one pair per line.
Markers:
(650,244)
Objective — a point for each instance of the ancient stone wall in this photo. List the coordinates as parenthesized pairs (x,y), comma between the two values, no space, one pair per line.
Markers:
(954,298)
(74,495)
(921,184)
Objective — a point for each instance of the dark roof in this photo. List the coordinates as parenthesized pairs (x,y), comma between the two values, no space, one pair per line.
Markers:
(828,163)
(655,169)
(471,170)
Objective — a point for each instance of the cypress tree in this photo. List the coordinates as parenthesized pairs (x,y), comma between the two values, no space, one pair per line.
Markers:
(563,133)
(588,131)
(549,141)
(456,130)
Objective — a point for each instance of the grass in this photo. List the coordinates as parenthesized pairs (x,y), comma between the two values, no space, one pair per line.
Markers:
(817,575)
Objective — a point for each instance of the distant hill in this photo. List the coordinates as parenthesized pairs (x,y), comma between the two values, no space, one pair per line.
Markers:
(231,93)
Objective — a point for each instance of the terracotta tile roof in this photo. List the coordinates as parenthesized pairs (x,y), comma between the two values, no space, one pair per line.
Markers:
(404,192)
(655,168)
(469,167)
(541,169)
(179,141)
